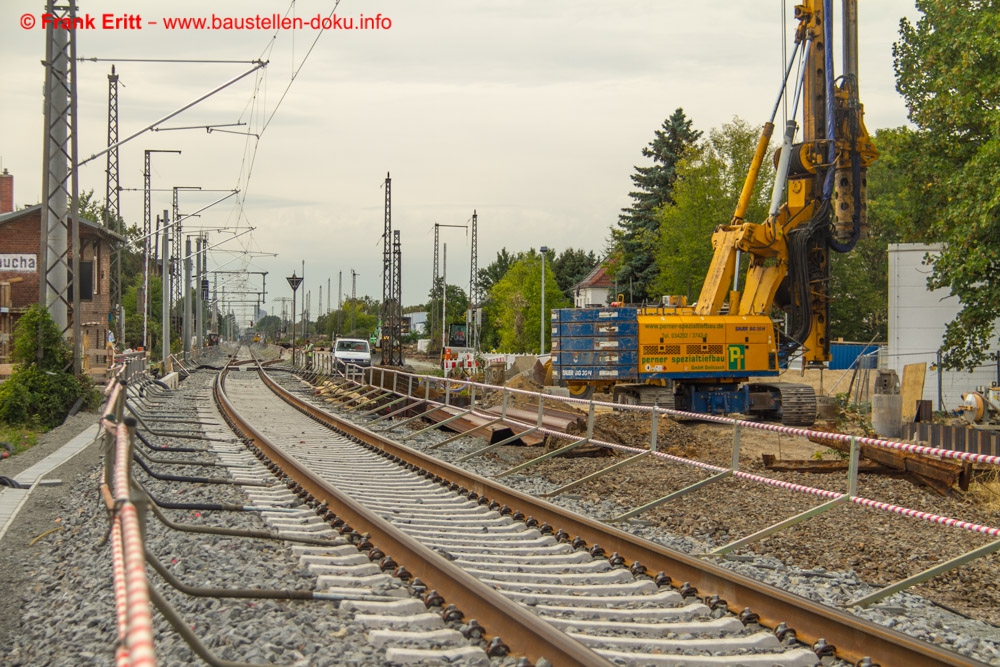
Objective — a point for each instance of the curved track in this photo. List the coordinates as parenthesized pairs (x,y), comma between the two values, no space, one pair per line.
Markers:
(486,548)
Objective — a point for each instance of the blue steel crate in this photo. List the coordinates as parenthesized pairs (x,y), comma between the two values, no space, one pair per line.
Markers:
(563,329)
(844,356)
(616,328)
(560,372)
(616,314)
(615,343)
(589,343)
(573,344)
(595,314)
(611,329)
(565,315)
(599,358)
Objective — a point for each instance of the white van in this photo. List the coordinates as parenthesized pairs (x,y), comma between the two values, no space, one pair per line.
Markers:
(351,351)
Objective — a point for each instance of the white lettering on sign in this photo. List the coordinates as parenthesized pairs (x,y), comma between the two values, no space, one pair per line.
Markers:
(19,263)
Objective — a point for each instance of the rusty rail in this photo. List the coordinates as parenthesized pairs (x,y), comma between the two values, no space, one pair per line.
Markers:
(854,638)
(521,628)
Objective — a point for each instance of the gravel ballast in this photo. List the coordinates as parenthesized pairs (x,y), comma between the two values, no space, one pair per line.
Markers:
(58,606)
(58,602)
(840,556)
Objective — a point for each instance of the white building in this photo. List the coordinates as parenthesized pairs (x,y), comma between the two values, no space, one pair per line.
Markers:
(593,289)
(917,320)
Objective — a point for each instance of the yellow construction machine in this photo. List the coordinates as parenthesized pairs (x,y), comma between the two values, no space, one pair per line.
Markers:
(701,357)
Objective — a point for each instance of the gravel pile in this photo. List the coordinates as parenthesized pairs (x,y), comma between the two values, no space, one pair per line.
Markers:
(840,556)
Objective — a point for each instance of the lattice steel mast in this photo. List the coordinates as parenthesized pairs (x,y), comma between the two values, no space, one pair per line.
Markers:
(396,331)
(148,240)
(354,291)
(112,210)
(60,225)
(385,334)
(433,318)
(472,324)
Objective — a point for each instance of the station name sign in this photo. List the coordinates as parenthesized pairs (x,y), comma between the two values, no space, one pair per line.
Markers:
(18,263)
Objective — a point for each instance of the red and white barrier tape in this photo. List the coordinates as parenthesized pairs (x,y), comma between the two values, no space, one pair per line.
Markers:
(138,639)
(800,488)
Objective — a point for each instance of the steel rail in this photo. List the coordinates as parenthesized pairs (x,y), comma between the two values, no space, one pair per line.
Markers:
(854,638)
(521,629)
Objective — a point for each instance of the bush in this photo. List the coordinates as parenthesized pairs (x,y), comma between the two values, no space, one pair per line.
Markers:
(42,391)
(56,354)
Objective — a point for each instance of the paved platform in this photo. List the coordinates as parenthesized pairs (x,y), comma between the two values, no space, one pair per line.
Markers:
(12,500)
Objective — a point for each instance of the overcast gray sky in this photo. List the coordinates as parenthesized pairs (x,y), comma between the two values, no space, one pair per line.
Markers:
(531,113)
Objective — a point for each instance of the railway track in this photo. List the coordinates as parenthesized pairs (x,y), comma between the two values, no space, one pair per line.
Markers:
(549,584)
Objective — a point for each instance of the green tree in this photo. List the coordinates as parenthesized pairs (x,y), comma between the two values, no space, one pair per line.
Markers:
(571,266)
(363,311)
(709,181)
(859,280)
(457,304)
(42,389)
(489,275)
(637,234)
(948,70)
(132,302)
(515,304)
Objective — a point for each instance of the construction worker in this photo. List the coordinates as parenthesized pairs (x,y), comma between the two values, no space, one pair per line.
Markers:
(309,353)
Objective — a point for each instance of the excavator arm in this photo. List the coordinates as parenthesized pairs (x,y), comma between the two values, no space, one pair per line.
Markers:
(818,203)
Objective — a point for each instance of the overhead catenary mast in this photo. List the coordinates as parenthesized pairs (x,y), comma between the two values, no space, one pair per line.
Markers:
(396,333)
(471,323)
(354,291)
(60,225)
(386,341)
(112,211)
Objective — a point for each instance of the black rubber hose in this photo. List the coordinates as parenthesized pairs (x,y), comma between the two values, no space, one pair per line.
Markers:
(274,594)
(193,480)
(164,448)
(12,483)
(236,532)
(208,507)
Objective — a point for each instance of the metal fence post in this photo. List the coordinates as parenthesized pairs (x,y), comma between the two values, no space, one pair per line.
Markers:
(735,464)
(653,428)
(852,473)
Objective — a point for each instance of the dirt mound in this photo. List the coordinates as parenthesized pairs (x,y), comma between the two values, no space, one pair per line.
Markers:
(525,382)
(635,430)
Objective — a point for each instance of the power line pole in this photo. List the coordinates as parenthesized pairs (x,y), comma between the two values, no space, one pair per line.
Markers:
(434,314)
(60,224)
(148,239)
(112,211)
(177,249)
(187,299)
(472,327)
(385,334)
(433,317)
(396,342)
(165,295)
(340,302)
(444,300)
(354,291)
(214,326)
(199,318)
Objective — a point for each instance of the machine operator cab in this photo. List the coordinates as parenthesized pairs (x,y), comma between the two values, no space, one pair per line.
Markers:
(349,353)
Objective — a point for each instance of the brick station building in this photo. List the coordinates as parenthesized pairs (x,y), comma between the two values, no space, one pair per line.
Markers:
(20,245)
